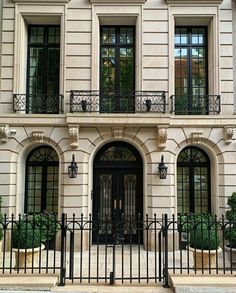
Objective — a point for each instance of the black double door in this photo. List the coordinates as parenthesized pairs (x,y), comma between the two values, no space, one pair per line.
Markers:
(117,204)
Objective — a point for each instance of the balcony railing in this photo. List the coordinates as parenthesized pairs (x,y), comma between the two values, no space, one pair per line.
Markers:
(195,105)
(38,104)
(117,102)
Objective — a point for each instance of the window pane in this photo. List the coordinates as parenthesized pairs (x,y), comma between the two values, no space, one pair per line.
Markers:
(190,70)
(43,69)
(192,181)
(42,180)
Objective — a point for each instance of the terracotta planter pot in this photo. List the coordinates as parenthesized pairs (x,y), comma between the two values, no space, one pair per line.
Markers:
(202,259)
(23,258)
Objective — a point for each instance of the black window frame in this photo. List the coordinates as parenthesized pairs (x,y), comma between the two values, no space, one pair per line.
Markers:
(191,165)
(46,46)
(189,46)
(117,93)
(44,164)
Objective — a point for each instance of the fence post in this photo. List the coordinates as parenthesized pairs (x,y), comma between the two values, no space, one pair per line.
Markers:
(62,267)
(165,236)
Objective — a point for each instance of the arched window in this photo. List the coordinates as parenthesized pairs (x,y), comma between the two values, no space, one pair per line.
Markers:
(41,191)
(193,181)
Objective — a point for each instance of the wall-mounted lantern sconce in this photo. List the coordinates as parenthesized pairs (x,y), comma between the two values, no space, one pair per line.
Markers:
(73,168)
(162,169)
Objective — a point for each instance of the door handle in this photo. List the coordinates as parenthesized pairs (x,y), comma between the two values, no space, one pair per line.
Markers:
(115,204)
(120,204)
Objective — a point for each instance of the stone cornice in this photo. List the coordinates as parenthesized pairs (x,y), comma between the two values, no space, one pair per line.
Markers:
(198,2)
(118,1)
(118,120)
(41,1)
(34,120)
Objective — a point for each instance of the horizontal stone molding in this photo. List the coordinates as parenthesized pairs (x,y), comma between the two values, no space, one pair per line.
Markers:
(198,2)
(41,1)
(118,1)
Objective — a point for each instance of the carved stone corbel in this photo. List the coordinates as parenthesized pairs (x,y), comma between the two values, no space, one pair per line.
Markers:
(196,136)
(37,135)
(118,132)
(74,136)
(4,133)
(228,134)
(161,137)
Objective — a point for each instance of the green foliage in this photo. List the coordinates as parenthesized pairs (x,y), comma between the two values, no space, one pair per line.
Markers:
(230,233)
(202,229)
(33,230)
(204,236)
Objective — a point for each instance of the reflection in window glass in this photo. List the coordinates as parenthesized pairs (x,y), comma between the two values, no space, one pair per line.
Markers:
(190,70)
(193,189)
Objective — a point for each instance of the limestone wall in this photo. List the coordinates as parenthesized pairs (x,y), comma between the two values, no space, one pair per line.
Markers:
(80,21)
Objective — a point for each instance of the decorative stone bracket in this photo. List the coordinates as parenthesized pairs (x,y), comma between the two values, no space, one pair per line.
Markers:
(4,133)
(161,137)
(228,134)
(74,136)
(37,135)
(196,136)
(118,132)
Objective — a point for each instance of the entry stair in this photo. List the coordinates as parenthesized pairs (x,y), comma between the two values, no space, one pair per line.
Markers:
(198,283)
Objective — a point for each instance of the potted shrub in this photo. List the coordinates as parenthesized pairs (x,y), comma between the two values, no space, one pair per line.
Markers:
(29,235)
(230,231)
(204,241)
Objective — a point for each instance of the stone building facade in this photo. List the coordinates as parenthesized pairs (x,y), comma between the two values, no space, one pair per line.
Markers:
(140,79)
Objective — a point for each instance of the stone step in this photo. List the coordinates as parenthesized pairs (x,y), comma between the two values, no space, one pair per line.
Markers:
(203,283)
(112,289)
(19,282)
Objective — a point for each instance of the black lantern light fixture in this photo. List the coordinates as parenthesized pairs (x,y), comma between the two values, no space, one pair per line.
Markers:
(73,168)
(162,169)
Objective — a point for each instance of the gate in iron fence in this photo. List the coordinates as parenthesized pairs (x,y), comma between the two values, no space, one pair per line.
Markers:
(125,251)
(131,250)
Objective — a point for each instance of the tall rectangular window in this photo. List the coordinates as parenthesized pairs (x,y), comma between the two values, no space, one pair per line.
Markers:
(117,77)
(191,80)
(43,69)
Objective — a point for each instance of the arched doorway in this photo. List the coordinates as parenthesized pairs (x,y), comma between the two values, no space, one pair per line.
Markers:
(193,181)
(41,186)
(117,187)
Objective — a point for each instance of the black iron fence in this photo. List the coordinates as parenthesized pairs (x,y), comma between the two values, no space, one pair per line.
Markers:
(127,250)
(38,103)
(195,104)
(117,101)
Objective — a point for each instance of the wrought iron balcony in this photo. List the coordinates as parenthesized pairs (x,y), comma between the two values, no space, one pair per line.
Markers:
(38,104)
(195,105)
(117,102)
